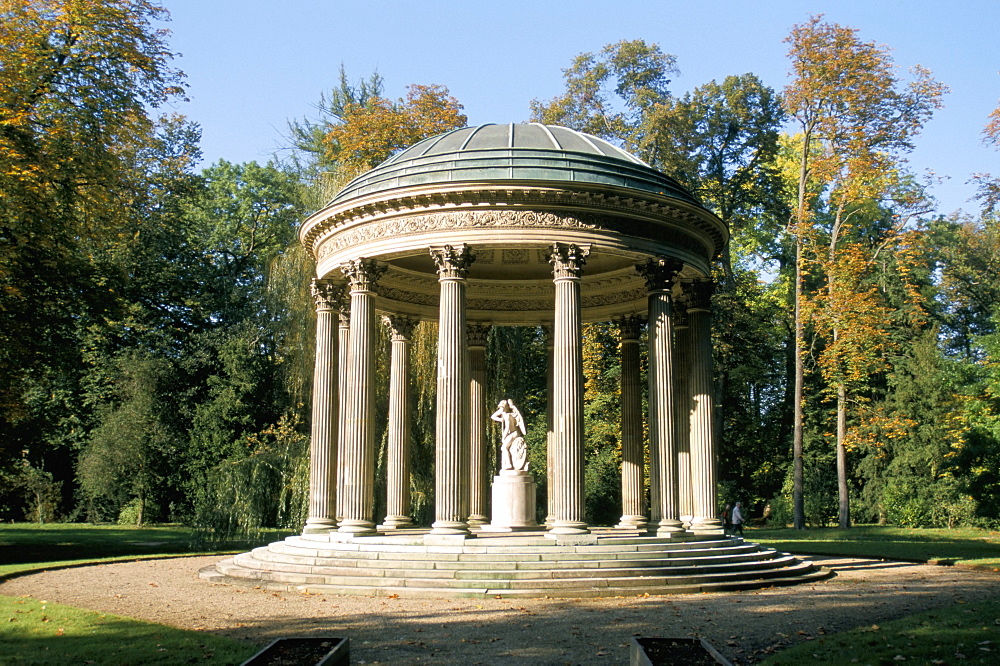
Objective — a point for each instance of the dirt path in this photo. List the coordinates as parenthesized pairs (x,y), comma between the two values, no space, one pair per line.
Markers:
(742,625)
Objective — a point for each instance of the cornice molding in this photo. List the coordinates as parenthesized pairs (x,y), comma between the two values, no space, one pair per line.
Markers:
(406,212)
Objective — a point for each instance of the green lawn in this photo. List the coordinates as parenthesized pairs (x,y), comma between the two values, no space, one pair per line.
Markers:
(34,631)
(27,546)
(964,634)
(965,546)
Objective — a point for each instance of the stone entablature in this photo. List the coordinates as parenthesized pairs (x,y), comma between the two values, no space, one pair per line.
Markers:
(649,225)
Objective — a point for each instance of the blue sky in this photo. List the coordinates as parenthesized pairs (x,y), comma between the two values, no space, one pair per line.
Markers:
(254,64)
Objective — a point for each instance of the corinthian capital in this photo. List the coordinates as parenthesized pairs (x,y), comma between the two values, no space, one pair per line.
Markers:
(400,326)
(452,261)
(477,333)
(362,274)
(660,273)
(567,260)
(326,294)
(630,326)
(698,293)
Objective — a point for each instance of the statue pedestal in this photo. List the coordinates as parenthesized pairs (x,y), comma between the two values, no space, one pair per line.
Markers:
(513,502)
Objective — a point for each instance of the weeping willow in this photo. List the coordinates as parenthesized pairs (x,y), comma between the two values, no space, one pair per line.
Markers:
(268,488)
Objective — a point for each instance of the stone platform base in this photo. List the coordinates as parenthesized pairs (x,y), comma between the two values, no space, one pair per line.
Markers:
(607,562)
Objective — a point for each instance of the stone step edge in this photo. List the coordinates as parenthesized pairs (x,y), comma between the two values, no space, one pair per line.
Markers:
(448,553)
(276,561)
(235,570)
(549,556)
(210,575)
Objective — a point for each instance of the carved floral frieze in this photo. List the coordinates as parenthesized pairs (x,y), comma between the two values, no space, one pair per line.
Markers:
(453,220)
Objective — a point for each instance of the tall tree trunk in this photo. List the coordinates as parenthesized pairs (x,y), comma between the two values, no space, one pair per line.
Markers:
(798,478)
(845,501)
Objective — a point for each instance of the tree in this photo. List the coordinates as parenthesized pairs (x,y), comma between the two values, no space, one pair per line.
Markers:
(721,142)
(372,131)
(134,448)
(611,94)
(77,78)
(856,119)
(989,187)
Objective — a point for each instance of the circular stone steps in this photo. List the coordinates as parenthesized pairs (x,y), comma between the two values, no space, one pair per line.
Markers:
(608,562)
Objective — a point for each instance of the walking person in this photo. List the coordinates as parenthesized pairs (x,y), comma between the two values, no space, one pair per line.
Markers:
(737,519)
(727,524)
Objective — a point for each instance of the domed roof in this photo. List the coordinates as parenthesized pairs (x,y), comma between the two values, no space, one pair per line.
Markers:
(513,152)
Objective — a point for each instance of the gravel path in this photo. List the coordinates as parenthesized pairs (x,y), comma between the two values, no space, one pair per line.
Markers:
(744,626)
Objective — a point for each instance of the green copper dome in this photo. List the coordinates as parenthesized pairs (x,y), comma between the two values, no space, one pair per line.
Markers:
(513,153)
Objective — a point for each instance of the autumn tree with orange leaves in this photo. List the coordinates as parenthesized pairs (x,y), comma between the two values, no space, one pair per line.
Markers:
(857,119)
(77,80)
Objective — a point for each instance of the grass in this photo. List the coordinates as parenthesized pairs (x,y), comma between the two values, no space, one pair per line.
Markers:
(966,546)
(40,632)
(967,633)
(34,631)
(29,547)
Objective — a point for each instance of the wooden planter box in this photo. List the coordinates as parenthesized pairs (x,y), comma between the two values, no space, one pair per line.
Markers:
(303,652)
(668,651)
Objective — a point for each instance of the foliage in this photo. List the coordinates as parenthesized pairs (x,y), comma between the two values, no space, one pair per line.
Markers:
(372,129)
(41,491)
(132,450)
(611,94)
(856,119)
(721,142)
(267,488)
(77,78)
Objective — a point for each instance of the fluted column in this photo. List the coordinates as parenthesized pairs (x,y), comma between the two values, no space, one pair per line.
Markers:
(549,424)
(479,445)
(323,443)
(682,408)
(451,454)
(344,338)
(397,501)
(566,485)
(633,497)
(659,274)
(703,485)
(358,450)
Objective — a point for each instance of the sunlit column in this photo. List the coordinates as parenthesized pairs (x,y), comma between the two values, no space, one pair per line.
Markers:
(397,464)
(451,455)
(659,275)
(566,485)
(323,443)
(358,449)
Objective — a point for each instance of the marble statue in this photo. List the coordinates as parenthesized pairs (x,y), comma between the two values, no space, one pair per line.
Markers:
(513,450)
